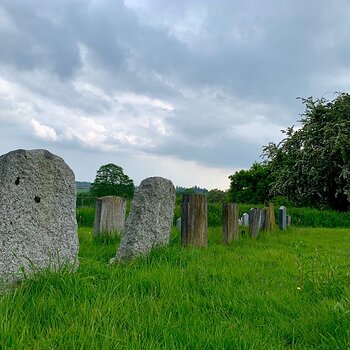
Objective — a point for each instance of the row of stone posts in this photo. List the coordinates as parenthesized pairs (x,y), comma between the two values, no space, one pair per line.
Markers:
(111,210)
(194,227)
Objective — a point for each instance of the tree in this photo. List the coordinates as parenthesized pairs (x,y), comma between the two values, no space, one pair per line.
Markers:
(217,196)
(311,165)
(250,186)
(111,180)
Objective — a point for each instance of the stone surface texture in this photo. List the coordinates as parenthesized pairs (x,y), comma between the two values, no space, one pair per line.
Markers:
(254,222)
(150,220)
(110,214)
(245,219)
(38,228)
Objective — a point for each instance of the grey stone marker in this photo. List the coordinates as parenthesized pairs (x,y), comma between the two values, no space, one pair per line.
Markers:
(150,220)
(289,220)
(254,219)
(109,215)
(38,228)
(262,219)
(245,219)
(178,224)
(282,217)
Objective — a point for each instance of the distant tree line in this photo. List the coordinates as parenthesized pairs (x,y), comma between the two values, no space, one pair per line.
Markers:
(310,166)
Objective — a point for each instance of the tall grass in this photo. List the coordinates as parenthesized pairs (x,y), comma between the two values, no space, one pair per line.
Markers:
(85,216)
(287,290)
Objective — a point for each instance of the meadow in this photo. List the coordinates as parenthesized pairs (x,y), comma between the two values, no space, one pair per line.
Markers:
(284,290)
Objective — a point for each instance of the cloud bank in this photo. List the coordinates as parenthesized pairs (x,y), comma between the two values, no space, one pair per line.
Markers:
(150,84)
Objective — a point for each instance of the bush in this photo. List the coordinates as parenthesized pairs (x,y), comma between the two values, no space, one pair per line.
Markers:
(309,217)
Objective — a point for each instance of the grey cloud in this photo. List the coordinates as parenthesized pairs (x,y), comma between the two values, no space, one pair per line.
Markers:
(194,55)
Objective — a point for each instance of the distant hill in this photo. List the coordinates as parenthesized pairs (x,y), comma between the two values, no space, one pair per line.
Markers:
(82,186)
(194,189)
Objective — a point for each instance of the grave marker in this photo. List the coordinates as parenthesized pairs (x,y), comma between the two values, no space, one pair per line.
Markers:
(194,222)
(150,220)
(109,215)
(38,227)
(254,219)
(230,222)
(282,217)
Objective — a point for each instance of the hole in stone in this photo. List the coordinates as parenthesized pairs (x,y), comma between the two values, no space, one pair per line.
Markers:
(17,181)
(37,199)
(10,222)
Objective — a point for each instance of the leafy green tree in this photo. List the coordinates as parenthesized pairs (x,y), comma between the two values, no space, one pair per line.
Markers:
(250,186)
(217,196)
(111,180)
(311,165)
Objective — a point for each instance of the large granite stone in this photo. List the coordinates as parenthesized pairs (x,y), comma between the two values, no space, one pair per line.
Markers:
(150,220)
(38,227)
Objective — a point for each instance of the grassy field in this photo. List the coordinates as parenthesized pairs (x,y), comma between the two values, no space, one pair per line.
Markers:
(287,290)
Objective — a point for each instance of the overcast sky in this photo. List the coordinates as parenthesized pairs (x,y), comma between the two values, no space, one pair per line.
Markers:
(188,89)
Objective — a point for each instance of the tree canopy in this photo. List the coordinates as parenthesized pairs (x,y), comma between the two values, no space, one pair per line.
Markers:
(111,180)
(311,165)
(250,186)
(217,196)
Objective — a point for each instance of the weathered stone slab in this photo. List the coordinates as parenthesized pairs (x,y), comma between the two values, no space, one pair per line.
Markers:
(245,219)
(262,219)
(282,217)
(254,219)
(109,215)
(289,220)
(150,220)
(38,227)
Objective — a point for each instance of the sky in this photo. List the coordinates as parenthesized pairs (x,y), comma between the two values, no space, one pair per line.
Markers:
(190,90)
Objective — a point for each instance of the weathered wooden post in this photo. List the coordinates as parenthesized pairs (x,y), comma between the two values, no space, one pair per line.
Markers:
(109,215)
(254,219)
(229,222)
(272,217)
(270,222)
(194,222)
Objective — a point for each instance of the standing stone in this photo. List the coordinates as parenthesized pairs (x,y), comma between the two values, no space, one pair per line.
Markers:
(245,219)
(38,228)
(289,220)
(272,217)
(282,217)
(262,219)
(178,224)
(229,222)
(150,220)
(194,222)
(109,215)
(254,219)
(270,223)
